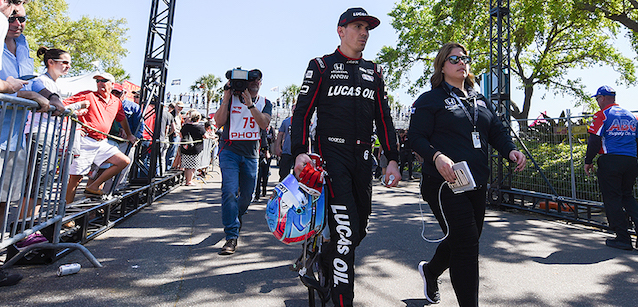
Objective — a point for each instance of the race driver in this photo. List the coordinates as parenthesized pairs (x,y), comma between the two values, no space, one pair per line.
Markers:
(348,94)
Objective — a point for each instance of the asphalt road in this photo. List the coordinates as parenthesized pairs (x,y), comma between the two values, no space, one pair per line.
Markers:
(166,255)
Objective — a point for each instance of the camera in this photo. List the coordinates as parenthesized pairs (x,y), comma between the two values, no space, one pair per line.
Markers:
(239,79)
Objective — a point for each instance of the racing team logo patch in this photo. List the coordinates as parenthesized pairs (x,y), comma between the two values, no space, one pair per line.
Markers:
(367,77)
(450,104)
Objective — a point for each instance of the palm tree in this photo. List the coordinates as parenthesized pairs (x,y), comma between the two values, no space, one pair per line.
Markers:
(290,94)
(209,86)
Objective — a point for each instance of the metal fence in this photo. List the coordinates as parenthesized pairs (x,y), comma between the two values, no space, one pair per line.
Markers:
(35,153)
(554,183)
(558,146)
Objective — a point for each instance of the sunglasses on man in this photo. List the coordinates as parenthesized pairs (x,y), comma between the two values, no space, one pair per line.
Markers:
(20,19)
(101,80)
(454,59)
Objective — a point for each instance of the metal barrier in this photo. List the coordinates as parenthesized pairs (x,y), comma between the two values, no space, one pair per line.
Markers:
(36,151)
(554,183)
(205,159)
(205,155)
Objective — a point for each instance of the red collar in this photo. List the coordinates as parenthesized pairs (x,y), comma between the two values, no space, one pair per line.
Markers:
(347,57)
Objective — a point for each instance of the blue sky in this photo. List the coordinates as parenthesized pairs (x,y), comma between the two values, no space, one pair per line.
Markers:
(280,37)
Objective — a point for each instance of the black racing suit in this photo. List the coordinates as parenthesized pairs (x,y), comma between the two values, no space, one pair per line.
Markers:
(348,95)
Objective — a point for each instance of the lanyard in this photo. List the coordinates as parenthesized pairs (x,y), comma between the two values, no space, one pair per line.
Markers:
(467,114)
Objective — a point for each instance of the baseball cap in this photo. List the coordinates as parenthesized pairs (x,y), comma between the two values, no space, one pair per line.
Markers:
(254,74)
(605,90)
(106,76)
(179,104)
(118,87)
(357,13)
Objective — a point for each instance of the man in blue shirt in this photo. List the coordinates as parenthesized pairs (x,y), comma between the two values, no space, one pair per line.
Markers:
(133,117)
(9,83)
(131,109)
(282,147)
(613,135)
(16,62)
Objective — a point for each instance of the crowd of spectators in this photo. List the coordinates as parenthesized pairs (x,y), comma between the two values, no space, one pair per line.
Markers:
(106,141)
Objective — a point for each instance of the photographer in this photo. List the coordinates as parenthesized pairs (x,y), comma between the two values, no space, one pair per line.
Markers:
(239,153)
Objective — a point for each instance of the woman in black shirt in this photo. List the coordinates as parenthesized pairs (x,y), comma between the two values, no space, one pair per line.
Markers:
(453,123)
(192,131)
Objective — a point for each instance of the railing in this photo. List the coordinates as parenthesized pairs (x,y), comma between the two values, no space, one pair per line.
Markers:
(554,183)
(36,151)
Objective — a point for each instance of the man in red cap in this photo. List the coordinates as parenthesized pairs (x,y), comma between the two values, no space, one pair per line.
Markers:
(103,107)
(349,95)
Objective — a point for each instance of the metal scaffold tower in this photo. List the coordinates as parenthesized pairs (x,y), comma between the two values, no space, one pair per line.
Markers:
(501,191)
(500,77)
(153,85)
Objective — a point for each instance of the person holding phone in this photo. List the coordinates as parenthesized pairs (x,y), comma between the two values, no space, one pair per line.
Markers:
(452,123)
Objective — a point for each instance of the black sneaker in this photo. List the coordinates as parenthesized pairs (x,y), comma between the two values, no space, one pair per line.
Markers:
(616,243)
(229,247)
(430,284)
(7,279)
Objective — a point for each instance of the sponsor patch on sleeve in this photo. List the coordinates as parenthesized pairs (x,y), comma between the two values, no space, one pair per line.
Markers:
(309,74)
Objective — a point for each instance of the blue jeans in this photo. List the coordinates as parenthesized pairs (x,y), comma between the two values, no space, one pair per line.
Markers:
(172,151)
(239,177)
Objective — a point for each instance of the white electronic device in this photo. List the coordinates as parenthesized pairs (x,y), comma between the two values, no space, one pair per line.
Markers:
(464,180)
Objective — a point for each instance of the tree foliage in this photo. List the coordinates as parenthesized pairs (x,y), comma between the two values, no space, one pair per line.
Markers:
(290,93)
(624,12)
(208,85)
(87,39)
(548,39)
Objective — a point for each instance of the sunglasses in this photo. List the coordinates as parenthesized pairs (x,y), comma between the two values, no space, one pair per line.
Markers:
(21,19)
(65,62)
(454,59)
(16,2)
(101,80)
